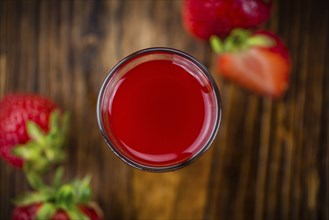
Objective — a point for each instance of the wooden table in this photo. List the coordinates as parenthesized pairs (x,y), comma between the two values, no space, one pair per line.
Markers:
(270,159)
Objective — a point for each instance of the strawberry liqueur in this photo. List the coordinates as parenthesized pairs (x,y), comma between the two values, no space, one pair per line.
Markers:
(159,109)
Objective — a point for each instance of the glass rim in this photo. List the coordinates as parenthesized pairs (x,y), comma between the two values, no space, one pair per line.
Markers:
(130,161)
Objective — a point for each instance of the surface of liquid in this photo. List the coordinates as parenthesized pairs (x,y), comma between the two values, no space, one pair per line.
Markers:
(159,113)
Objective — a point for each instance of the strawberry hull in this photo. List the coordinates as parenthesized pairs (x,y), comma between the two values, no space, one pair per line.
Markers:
(15,111)
(32,131)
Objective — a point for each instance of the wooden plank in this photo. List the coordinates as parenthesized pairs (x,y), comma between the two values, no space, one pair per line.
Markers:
(270,159)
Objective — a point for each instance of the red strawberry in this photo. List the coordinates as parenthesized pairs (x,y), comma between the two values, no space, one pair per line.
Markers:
(204,18)
(58,201)
(31,126)
(259,62)
(29,212)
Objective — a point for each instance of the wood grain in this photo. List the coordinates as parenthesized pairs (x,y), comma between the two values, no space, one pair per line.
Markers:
(270,159)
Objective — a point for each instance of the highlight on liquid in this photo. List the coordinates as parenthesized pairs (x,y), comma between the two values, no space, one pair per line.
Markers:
(159,109)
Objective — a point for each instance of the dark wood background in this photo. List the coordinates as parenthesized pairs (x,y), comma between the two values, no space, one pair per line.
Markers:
(270,159)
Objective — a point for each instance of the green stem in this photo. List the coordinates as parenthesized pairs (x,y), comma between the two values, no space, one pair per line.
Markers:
(238,40)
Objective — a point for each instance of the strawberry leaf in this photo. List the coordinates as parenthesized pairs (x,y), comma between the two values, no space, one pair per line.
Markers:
(22,151)
(39,166)
(44,149)
(82,190)
(58,177)
(260,41)
(75,213)
(35,180)
(35,132)
(65,196)
(46,211)
(216,44)
(238,40)
(32,197)
(58,125)
(54,122)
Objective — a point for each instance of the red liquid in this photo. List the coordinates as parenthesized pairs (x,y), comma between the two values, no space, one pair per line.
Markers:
(159,114)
